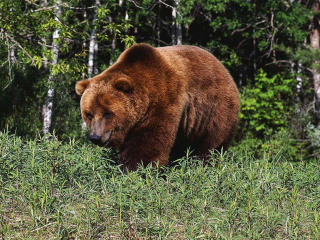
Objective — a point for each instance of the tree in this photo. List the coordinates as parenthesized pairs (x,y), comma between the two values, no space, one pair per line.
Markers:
(176,25)
(93,45)
(47,106)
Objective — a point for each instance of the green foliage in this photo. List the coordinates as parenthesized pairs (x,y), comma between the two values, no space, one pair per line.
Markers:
(282,144)
(54,190)
(266,105)
(313,134)
(24,84)
(243,35)
(309,57)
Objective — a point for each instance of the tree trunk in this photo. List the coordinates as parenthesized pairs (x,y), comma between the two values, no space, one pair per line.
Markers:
(126,19)
(299,81)
(91,51)
(113,49)
(159,26)
(314,41)
(12,60)
(113,43)
(84,44)
(93,45)
(179,34)
(254,42)
(47,107)
(178,26)
(114,35)
(174,27)
(95,58)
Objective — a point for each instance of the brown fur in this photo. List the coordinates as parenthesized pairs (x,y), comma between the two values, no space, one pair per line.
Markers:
(155,102)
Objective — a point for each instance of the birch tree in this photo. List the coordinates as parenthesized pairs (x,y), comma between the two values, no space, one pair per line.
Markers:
(176,25)
(93,45)
(48,105)
(114,34)
(113,43)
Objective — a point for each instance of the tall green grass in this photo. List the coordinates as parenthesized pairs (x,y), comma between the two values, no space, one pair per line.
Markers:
(54,190)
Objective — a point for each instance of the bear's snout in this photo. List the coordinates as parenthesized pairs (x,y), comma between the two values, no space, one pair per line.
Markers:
(100,140)
(95,138)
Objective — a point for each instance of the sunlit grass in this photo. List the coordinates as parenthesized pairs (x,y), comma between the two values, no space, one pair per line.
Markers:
(50,190)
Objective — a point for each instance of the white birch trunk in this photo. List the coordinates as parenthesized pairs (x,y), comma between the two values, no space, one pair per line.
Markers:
(299,80)
(114,37)
(12,55)
(113,44)
(12,60)
(93,46)
(186,26)
(127,16)
(84,44)
(296,72)
(179,34)
(178,25)
(95,57)
(91,51)
(174,29)
(126,19)
(47,107)
(113,49)
(298,77)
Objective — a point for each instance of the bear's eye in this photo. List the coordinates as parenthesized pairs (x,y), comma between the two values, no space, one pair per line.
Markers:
(89,116)
(106,115)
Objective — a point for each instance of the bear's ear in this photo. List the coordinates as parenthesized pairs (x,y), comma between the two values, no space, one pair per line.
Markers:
(81,86)
(123,84)
(138,53)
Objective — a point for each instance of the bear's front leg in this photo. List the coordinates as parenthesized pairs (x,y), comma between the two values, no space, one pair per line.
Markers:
(151,144)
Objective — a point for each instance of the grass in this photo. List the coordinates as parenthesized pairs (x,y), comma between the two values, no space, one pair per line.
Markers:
(54,190)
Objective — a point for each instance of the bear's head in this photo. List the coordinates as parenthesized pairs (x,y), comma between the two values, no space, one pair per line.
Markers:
(111,105)
(116,101)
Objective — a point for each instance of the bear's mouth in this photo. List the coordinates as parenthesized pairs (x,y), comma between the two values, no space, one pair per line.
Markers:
(107,138)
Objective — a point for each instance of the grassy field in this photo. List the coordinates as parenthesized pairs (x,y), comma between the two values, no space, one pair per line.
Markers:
(54,190)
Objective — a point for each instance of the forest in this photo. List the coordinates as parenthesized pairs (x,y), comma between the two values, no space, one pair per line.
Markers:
(271,49)
(54,184)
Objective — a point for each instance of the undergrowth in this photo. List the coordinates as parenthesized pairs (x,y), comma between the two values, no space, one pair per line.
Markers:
(54,190)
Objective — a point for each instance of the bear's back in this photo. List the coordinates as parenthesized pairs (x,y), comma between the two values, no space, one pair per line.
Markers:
(198,67)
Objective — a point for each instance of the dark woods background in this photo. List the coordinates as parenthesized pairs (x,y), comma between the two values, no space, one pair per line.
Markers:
(271,49)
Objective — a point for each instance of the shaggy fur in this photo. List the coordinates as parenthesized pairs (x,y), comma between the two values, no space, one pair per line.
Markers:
(154,103)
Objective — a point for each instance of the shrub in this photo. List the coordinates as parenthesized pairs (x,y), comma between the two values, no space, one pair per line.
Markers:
(266,105)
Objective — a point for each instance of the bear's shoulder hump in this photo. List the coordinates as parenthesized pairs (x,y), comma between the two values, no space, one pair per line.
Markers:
(139,52)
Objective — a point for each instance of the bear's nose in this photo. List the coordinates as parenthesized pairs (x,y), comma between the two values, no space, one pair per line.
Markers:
(94,138)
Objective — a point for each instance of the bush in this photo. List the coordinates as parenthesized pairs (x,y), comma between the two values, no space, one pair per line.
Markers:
(266,106)
(282,144)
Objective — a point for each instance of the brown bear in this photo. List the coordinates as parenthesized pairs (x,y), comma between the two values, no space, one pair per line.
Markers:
(154,103)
